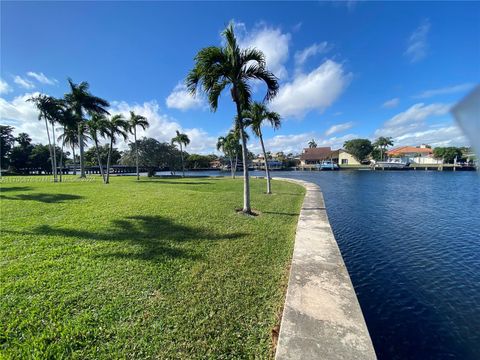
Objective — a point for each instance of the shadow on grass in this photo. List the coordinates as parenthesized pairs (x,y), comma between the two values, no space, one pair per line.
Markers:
(162,181)
(41,197)
(156,237)
(15,188)
(281,213)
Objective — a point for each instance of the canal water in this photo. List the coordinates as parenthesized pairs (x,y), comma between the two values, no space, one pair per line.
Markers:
(411,243)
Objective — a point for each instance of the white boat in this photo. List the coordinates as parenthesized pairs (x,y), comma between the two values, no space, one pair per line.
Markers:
(393,163)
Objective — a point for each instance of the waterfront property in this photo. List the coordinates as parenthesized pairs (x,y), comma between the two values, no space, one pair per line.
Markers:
(159,268)
(319,155)
(421,155)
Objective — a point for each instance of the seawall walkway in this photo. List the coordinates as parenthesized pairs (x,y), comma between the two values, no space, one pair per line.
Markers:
(322,318)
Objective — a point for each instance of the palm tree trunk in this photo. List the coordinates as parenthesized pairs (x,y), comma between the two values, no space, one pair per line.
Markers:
(136,151)
(74,165)
(49,144)
(183,166)
(98,159)
(267,172)
(61,158)
(80,145)
(54,155)
(231,167)
(246,179)
(108,161)
(235,167)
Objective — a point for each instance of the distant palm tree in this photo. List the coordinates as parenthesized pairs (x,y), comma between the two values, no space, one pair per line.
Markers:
(81,101)
(50,110)
(137,120)
(382,143)
(116,126)
(312,144)
(181,139)
(255,117)
(98,125)
(217,68)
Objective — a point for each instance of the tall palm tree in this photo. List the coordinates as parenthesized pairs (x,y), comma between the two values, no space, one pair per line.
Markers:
(134,121)
(182,140)
(217,68)
(50,110)
(255,117)
(98,125)
(116,126)
(382,143)
(312,144)
(82,102)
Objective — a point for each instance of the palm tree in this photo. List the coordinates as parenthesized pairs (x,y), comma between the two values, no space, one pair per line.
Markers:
(137,120)
(382,143)
(98,125)
(230,146)
(256,115)
(217,68)
(116,126)
(50,110)
(181,139)
(312,144)
(81,101)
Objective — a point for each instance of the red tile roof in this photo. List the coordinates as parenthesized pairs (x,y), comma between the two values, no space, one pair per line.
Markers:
(409,150)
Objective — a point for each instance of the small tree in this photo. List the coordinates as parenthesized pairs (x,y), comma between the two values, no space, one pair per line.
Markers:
(181,140)
(359,148)
(255,117)
(134,121)
(116,126)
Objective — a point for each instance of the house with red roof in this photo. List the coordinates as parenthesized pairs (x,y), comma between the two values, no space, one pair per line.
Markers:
(422,154)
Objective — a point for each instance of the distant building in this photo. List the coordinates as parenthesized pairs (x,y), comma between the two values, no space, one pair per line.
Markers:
(422,154)
(345,158)
(311,156)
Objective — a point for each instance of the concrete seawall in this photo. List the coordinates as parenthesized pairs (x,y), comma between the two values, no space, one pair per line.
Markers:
(322,318)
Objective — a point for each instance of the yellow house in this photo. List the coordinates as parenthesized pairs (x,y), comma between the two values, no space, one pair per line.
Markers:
(345,158)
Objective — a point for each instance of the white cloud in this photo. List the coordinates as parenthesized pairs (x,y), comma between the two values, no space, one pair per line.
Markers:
(316,90)
(24,117)
(391,103)
(4,87)
(25,83)
(273,43)
(444,90)
(449,135)
(417,43)
(334,129)
(181,99)
(411,120)
(41,78)
(302,56)
(162,127)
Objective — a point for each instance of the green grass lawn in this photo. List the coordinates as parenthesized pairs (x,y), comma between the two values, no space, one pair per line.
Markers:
(161,268)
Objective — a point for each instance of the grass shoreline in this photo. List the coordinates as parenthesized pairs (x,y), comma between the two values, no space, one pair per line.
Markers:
(161,268)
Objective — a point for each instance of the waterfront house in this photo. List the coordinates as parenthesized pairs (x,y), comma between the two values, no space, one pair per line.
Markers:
(422,154)
(345,158)
(311,156)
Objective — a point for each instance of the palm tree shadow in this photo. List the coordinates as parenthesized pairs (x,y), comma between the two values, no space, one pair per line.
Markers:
(43,197)
(158,238)
(15,188)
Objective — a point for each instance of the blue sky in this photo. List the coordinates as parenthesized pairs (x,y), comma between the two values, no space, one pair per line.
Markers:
(346,69)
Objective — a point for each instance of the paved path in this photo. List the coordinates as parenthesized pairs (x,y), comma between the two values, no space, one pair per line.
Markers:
(322,318)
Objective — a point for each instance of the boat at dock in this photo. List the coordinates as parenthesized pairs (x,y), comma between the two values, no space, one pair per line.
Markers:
(327,165)
(393,163)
